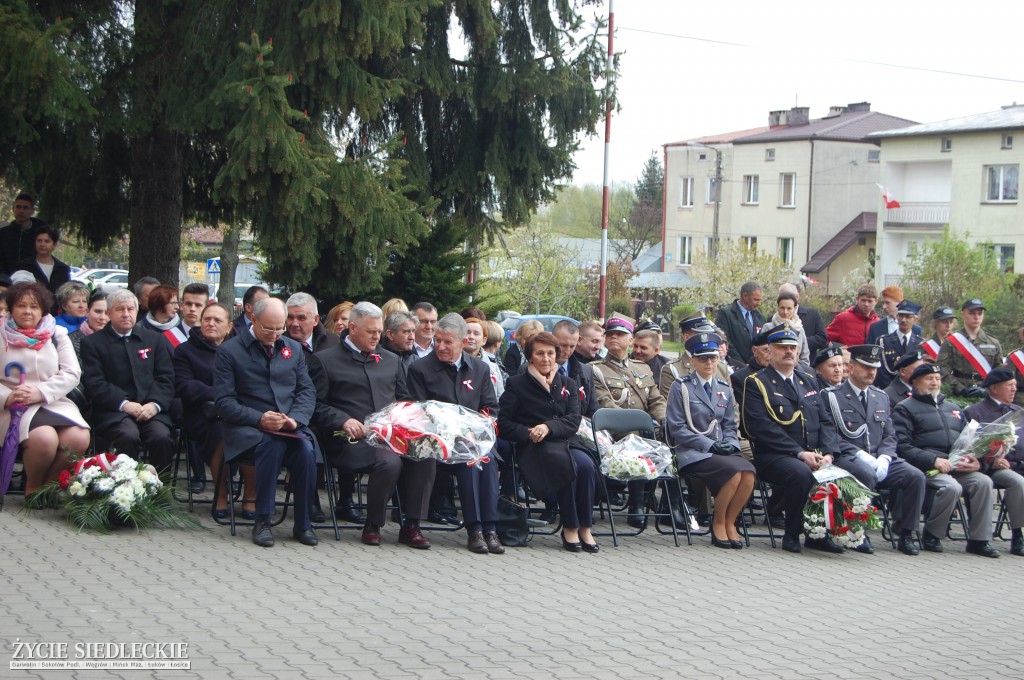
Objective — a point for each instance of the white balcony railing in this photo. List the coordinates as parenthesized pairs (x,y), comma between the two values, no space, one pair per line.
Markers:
(918,213)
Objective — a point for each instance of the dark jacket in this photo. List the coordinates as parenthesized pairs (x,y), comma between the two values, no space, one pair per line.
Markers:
(547,465)
(880,329)
(193,380)
(988,410)
(239,326)
(513,359)
(321,340)
(407,357)
(897,391)
(349,385)
(730,319)
(60,275)
(814,328)
(583,375)
(892,351)
(926,429)
(780,421)
(470,386)
(138,370)
(17,245)
(247,384)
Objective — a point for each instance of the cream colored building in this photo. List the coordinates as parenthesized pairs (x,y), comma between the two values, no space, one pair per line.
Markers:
(801,189)
(964,172)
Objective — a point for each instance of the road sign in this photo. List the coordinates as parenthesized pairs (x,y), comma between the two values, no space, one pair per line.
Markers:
(213,265)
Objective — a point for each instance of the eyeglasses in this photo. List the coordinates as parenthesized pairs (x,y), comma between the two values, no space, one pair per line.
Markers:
(275,331)
(710,357)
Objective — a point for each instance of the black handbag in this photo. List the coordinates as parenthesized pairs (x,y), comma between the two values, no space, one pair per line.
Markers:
(511,525)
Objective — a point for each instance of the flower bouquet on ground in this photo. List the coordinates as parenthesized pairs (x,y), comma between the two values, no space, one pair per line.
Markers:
(108,489)
(448,433)
(840,506)
(634,457)
(585,435)
(989,443)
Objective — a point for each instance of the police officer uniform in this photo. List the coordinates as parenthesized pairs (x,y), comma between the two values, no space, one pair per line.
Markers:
(784,418)
(894,345)
(957,371)
(867,447)
(681,366)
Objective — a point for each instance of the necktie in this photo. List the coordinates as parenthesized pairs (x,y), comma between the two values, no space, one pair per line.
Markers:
(750,322)
(305,346)
(864,400)
(563,370)
(903,345)
(707,390)
(268,350)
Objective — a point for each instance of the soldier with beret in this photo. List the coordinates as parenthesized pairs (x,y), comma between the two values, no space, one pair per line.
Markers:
(1005,473)
(701,419)
(896,344)
(867,443)
(672,371)
(620,382)
(792,436)
(967,356)
(828,364)
(899,389)
(927,426)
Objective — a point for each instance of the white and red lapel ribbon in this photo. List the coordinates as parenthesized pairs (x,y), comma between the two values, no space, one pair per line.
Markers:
(828,494)
(971,353)
(468,384)
(1017,359)
(565,391)
(931,348)
(103,461)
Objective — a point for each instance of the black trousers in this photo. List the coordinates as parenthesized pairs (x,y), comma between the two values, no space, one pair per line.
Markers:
(128,436)
(297,455)
(903,478)
(796,480)
(387,471)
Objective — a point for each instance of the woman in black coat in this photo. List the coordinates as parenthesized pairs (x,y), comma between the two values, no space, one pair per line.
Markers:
(193,384)
(540,412)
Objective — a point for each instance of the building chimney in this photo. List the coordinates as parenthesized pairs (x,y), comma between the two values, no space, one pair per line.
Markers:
(859,107)
(777,118)
(800,115)
(834,111)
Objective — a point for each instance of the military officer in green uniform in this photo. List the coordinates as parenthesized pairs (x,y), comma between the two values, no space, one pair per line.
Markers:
(967,356)
(674,370)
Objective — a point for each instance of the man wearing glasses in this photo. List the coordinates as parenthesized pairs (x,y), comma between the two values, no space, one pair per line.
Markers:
(426,324)
(266,399)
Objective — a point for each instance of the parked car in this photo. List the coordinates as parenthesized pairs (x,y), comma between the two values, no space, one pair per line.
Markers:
(511,323)
(90,276)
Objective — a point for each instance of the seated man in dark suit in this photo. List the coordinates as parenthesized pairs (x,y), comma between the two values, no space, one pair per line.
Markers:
(452,376)
(266,399)
(128,372)
(354,379)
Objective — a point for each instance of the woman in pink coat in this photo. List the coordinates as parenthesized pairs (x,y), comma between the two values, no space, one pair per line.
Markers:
(39,368)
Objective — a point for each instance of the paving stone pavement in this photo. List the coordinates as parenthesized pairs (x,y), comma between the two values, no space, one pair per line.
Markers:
(643,610)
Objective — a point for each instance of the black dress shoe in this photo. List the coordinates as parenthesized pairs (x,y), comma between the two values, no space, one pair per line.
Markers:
(590,547)
(345,510)
(306,536)
(930,543)
(824,544)
(221,513)
(981,548)
(1017,546)
(199,486)
(791,543)
(777,522)
(636,518)
(736,545)
(316,511)
(248,514)
(549,517)
(719,543)
(866,547)
(476,543)
(261,534)
(907,545)
(571,547)
(494,545)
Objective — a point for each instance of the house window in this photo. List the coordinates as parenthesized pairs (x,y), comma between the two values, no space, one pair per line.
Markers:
(874,155)
(1001,183)
(685,250)
(947,144)
(712,190)
(787,184)
(1004,255)
(749,242)
(702,157)
(685,192)
(769,154)
(1007,141)
(708,244)
(750,189)
(786,250)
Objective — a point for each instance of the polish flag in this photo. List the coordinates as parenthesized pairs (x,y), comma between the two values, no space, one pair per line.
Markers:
(890,202)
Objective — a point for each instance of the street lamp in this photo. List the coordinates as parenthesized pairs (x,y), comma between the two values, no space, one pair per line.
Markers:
(713,250)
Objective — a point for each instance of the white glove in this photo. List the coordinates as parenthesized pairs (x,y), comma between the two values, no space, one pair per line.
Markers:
(865,457)
(882,467)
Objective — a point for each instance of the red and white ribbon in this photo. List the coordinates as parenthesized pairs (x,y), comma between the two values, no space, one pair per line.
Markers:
(971,353)
(468,384)
(828,494)
(1017,359)
(565,391)
(931,348)
(103,461)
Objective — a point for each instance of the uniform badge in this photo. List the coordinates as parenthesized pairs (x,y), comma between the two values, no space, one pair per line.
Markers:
(286,353)
(468,384)
(144,353)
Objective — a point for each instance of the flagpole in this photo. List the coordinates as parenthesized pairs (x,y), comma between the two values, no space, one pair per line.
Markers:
(607,159)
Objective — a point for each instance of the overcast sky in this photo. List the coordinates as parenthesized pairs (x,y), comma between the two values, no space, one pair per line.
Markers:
(673,87)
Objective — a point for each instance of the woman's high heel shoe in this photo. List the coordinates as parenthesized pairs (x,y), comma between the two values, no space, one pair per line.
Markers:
(590,547)
(719,543)
(571,547)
